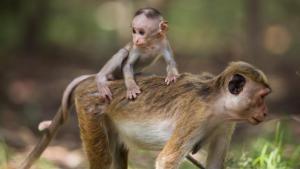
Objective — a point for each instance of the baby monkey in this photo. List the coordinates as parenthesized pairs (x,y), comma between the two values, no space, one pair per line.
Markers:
(149,41)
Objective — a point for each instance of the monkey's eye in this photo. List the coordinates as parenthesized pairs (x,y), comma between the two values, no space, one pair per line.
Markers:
(236,84)
(133,31)
(141,32)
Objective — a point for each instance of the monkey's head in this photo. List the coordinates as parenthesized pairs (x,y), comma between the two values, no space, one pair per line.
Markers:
(148,25)
(244,89)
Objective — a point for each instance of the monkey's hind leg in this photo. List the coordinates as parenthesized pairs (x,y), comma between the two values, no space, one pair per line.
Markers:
(117,148)
(94,136)
(100,139)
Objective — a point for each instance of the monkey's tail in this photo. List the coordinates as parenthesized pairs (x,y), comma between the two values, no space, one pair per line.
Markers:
(66,99)
(44,141)
(52,126)
(65,102)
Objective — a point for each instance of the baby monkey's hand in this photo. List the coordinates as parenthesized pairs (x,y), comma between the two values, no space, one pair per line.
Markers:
(104,91)
(132,91)
(171,78)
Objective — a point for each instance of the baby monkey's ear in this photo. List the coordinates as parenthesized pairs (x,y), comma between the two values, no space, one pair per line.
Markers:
(163,26)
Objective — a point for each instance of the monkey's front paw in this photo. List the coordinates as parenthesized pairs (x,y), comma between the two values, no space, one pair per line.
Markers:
(170,78)
(132,92)
(104,91)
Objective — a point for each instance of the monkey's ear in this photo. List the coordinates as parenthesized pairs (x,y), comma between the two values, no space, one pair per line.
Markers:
(163,26)
(236,84)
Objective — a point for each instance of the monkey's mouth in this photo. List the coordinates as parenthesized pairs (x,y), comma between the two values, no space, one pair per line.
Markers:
(255,121)
(142,45)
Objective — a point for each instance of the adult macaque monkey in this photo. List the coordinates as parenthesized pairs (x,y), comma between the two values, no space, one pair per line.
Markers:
(174,120)
(149,41)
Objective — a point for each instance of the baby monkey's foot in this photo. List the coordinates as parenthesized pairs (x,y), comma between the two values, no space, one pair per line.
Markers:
(104,91)
(170,78)
(133,91)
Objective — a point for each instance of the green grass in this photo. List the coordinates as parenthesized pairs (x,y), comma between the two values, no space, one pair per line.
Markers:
(269,154)
(3,155)
(6,154)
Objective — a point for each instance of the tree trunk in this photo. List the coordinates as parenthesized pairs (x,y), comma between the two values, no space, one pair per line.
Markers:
(254,28)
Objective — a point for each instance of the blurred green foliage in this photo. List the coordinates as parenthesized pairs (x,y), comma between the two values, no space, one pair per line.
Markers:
(207,25)
(3,155)
(92,30)
(269,154)
(198,20)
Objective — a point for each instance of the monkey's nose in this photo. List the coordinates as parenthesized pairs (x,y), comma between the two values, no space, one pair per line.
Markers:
(140,42)
(263,93)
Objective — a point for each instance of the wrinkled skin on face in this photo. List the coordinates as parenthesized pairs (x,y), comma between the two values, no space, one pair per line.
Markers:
(244,99)
(144,30)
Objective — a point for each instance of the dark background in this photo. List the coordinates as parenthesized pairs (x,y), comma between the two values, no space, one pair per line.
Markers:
(44,44)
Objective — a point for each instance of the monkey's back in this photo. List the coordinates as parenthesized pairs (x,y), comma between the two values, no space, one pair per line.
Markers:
(167,99)
(157,101)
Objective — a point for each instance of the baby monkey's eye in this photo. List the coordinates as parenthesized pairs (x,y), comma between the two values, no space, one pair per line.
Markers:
(142,32)
(133,31)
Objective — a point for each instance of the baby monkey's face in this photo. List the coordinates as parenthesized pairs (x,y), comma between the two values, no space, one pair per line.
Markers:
(145,30)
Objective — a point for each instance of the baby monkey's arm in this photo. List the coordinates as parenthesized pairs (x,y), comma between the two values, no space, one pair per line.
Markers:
(132,88)
(172,72)
(115,61)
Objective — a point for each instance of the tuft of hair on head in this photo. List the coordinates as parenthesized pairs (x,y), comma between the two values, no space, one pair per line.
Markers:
(248,70)
(242,68)
(149,12)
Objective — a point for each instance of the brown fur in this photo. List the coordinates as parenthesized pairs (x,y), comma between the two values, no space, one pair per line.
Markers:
(157,101)
(156,96)
(189,102)
(245,69)
(161,99)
